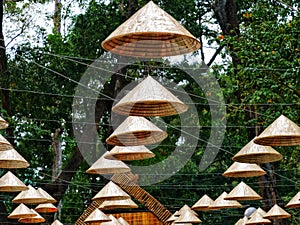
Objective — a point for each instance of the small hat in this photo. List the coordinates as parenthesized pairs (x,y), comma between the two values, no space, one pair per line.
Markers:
(97,216)
(30,196)
(127,153)
(244,170)
(203,203)
(221,203)
(257,218)
(35,219)
(276,213)
(186,216)
(46,208)
(21,211)
(11,159)
(49,198)
(242,221)
(111,191)
(294,202)
(10,183)
(242,192)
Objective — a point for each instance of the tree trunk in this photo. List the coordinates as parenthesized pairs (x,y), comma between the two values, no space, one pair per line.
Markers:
(57,16)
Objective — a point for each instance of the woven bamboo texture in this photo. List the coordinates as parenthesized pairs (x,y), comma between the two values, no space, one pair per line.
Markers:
(141,218)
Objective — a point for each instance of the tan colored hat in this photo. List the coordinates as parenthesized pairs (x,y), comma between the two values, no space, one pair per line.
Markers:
(253,153)
(56,222)
(4,144)
(257,218)
(107,166)
(21,211)
(276,213)
(136,130)
(221,203)
(11,159)
(10,183)
(111,191)
(122,221)
(46,208)
(151,33)
(127,153)
(187,216)
(186,208)
(242,221)
(294,202)
(282,132)
(244,170)
(49,198)
(203,203)
(118,204)
(97,216)
(3,123)
(173,217)
(35,219)
(30,196)
(149,98)
(242,192)
(260,211)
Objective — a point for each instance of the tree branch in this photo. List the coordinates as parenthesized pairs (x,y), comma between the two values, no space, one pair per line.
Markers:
(215,55)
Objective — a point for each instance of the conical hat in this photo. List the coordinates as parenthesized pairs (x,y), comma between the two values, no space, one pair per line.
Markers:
(97,216)
(173,217)
(11,159)
(203,203)
(186,216)
(221,203)
(151,33)
(35,219)
(107,166)
(276,213)
(111,191)
(4,144)
(127,153)
(3,123)
(56,222)
(30,196)
(136,130)
(260,211)
(10,183)
(244,170)
(187,208)
(118,204)
(282,132)
(149,98)
(122,221)
(294,202)
(257,219)
(49,198)
(46,208)
(21,211)
(253,153)
(242,192)
(242,221)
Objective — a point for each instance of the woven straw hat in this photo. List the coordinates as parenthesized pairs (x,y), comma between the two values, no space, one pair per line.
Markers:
(122,221)
(107,166)
(260,211)
(135,131)
(46,208)
(282,132)
(4,144)
(49,198)
(118,204)
(244,170)
(149,98)
(242,192)
(10,183)
(3,123)
(151,33)
(187,216)
(294,202)
(253,153)
(111,191)
(257,218)
(277,213)
(30,196)
(221,203)
(242,221)
(127,153)
(186,208)
(11,159)
(97,216)
(21,211)
(173,217)
(35,219)
(203,203)
(56,222)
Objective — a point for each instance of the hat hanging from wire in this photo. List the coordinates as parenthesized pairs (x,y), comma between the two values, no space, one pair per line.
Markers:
(203,203)
(97,216)
(242,192)
(277,213)
(128,153)
(35,219)
(244,170)
(10,183)
(294,202)
(21,211)
(11,159)
(111,191)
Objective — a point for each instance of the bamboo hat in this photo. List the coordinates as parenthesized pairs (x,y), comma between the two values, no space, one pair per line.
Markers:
(4,144)
(118,204)
(49,198)
(260,211)
(107,166)
(294,202)
(242,221)
(282,132)
(253,153)
(30,196)
(244,170)
(186,208)
(136,130)
(97,216)
(186,216)
(276,213)
(151,33)
(122,221)
(10,183)
(3,123)
(221,203)
(149,98)
(56,222)
(127,153)
(257,219)
(35,219)
(111,191)
(46,208)
(11,159)
(21,211)
(173,217)
(242,192)
(203,203)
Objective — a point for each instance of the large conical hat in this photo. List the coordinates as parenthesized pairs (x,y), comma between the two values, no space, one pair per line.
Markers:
(242,192)
(294,202)
(10,183)
(253,153)
(4,144)
(244,170)
(3,123)
(118,204)
(46,208)
(203,203)
(173,217)
(97,216)
(149,98)
(35,219)
(151,33)
(21,211)
(111,191)
(107,166)
(56,222)
(242,221)
(221,203)
(127,153)
(30,196)
(186,216)
(282,132)
(257,218)
(11,159)
(49,198)
(277,213)
(136,130)
(122,221)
